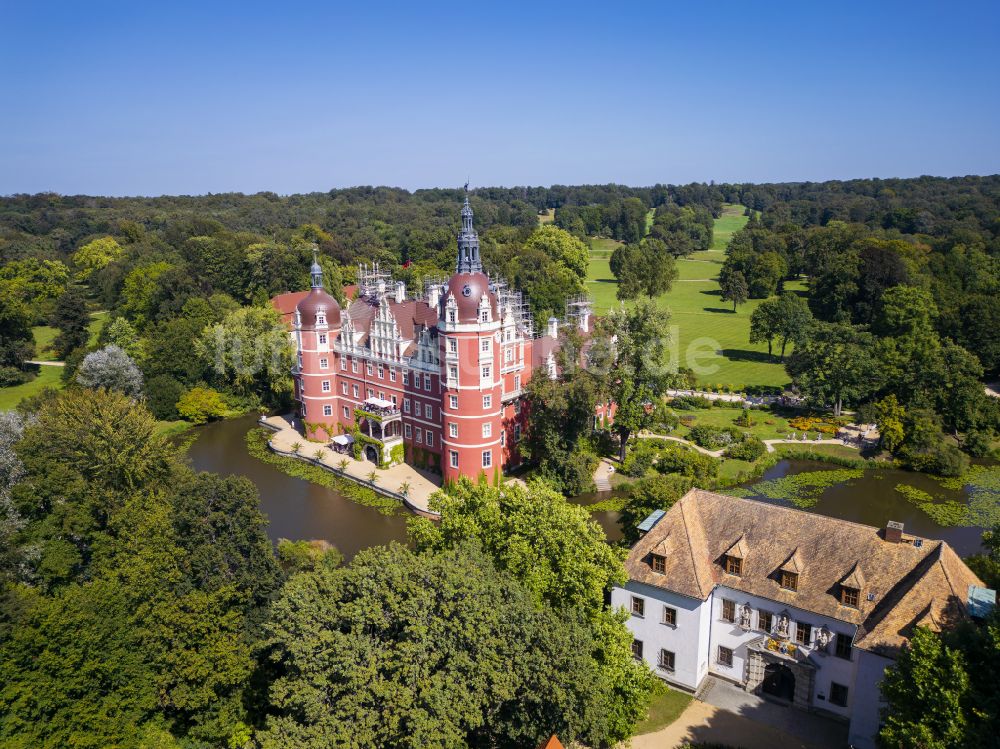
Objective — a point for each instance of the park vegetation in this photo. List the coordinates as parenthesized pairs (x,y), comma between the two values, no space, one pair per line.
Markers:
(142,604)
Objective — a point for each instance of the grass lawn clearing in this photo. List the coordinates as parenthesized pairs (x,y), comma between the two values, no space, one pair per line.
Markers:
(603,247)
(172,428)
(707,334)
(47,377)
(665,708)
(46,334)
(730,222)
(725,417)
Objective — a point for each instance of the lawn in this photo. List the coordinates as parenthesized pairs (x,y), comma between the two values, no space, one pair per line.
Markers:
(548,217)
(664,710)
(47,377)
(725,417)
(602,247)
(706,334)
(730,222)
(45,335)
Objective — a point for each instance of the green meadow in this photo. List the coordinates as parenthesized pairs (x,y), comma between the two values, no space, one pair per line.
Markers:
(706,332)
(48,376)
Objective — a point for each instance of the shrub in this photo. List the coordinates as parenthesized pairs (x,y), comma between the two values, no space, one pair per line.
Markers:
(10,376)
(712,438)
(690,402)
(978,443)
(638,461)
(750,449)
(200,404)
(163,392)
(941,459)
(745,419)
(664,420)
(680,460)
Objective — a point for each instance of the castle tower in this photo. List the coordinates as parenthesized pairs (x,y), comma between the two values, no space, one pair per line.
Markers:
(468,244)
(471,385)
(316,325)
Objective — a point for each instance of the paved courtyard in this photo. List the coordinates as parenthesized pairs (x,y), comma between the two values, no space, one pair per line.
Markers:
(422,484)
(725,714)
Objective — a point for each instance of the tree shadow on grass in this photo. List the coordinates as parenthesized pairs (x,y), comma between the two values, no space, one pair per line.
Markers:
(724,310)
(734,354)
(711,292)
(605,280)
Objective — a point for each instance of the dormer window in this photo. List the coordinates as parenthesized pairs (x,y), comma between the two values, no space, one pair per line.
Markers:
(732,559)
(850,587)
(789,580)
(452,316)
(849,596)
(734,565)
(321,319)
(659,563)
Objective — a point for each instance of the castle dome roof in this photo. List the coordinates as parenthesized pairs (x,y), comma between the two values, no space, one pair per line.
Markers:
(317,302)
(468,290)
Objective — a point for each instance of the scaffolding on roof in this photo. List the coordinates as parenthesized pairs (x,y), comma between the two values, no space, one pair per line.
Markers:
(517,302)
(578,310)
(373,282)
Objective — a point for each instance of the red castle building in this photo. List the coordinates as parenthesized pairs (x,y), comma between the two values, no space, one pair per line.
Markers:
(435,380)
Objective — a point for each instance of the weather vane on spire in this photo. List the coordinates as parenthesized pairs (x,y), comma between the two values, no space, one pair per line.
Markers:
(466,187)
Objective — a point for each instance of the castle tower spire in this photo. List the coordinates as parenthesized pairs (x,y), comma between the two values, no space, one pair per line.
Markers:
(316,272)
(468,243)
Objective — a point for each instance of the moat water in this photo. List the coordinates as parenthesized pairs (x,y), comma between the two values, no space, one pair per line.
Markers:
(297,509)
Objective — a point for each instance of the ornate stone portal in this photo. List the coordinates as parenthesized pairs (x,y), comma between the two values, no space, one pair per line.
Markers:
(769,651)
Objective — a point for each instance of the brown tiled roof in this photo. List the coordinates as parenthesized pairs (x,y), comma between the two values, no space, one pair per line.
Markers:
(738,549)
(286,304)
(551,743)
(409,316)
(541,348)
(905,581)
(933,596)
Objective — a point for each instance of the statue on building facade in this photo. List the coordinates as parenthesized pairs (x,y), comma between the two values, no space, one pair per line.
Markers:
(745,613)
(823,639)
(783,625)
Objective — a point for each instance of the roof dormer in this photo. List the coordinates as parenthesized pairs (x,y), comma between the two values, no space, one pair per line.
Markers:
(851,586)
(788,573)
(734,556)
(658,557)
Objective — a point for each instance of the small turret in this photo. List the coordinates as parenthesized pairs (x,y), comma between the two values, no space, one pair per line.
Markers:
(316,272)
(468,244)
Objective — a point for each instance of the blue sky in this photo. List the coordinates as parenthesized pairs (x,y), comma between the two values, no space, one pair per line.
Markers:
(144,98)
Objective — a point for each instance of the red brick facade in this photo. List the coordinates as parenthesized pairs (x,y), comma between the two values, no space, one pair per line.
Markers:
(447,369)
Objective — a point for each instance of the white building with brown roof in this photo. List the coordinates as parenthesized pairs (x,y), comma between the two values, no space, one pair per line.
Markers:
(804,608)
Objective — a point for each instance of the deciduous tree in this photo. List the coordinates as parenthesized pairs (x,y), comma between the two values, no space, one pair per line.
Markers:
(112,369)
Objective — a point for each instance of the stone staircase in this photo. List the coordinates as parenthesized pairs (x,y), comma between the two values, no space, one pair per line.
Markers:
(602,477)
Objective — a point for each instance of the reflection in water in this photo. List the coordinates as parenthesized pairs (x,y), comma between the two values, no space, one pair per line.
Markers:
(296,509)
(873,500)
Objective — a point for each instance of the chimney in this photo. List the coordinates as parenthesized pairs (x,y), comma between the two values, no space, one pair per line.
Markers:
(893,532)
(400,291)
(553,327)
(584,320)
(434,295)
